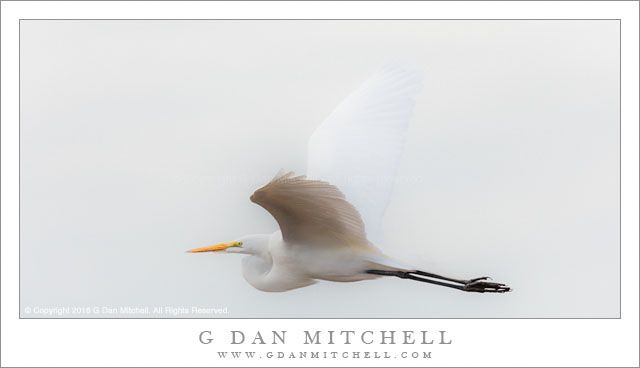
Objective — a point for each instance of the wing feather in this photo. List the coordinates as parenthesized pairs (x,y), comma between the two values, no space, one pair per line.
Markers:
(311,212)
(358,147)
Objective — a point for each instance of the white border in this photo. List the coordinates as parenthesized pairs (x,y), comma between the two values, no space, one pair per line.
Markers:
(174,342)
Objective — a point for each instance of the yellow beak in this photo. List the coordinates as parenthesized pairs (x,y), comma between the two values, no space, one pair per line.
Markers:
(211,248)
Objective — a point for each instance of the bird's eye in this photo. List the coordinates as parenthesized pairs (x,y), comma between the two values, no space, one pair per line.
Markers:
(239,244)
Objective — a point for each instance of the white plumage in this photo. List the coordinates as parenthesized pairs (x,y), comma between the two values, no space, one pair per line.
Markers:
(358,147)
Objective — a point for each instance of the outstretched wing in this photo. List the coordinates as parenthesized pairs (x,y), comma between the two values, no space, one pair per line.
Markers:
(311,212)
(358,147)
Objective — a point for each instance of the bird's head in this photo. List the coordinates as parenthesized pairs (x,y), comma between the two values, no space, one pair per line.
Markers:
(250,244)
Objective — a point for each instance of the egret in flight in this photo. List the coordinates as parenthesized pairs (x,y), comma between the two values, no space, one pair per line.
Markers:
(330,219)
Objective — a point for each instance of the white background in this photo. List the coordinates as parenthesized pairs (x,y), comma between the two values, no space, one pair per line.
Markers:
(551,342)
(141,139)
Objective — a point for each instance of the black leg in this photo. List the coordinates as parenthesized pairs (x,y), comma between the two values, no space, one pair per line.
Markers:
(478,285)
(433,275)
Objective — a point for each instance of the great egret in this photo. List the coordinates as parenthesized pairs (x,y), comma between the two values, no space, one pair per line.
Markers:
(322,235)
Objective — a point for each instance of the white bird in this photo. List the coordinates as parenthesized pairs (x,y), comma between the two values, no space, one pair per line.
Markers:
(325,234)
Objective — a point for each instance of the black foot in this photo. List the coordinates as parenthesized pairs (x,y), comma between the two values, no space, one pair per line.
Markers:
(478,285)
(479,278)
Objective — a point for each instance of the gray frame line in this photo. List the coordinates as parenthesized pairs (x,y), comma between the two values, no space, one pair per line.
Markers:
(368,19)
